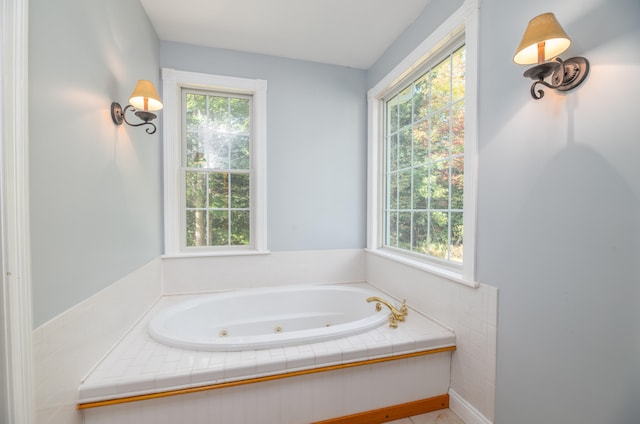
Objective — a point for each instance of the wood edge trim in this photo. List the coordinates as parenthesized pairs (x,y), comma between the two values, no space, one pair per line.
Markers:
(176,392)
(392,413)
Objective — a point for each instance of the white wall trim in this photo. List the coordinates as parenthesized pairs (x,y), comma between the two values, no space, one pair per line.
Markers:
(16,280)
(464,19)
(424,266)
(465,410)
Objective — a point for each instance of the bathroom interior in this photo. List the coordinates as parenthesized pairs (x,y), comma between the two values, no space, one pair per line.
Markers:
(547,320)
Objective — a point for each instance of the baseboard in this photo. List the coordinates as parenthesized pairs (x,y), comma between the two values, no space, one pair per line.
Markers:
(465,410)
(392,413)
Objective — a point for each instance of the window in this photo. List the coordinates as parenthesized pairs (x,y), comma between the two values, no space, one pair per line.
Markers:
(214,138)
(422,153)
(216,168)
(424,161)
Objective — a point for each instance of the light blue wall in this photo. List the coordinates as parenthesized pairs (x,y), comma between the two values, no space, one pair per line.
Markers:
(95,189)
(559,201)
(316,144)
(434,14)
(558,208)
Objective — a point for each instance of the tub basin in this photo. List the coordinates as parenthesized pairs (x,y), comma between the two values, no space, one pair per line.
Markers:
(267,318)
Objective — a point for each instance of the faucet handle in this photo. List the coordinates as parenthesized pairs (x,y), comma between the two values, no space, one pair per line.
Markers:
(393,321)
(404,309)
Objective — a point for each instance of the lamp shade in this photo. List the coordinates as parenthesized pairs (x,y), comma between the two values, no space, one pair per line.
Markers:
(543,28)
(145,97)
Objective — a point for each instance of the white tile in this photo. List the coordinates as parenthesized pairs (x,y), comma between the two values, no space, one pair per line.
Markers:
(297,361)
(201,361)
(98,390)
(135,385)
(172,380)
(296,399)
(379,351)
(174,355)
(142,358)
(351,352)
(186,362)
(270,365)
(155,364)
(329,395)
(245,369)
(207,376)
(326,356)
(360,388)
(263,403)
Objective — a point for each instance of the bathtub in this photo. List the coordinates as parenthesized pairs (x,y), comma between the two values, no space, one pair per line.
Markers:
(143,381)
(256,319)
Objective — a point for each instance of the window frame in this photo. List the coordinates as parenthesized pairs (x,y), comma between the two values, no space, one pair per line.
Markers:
(462,23)
(173,82)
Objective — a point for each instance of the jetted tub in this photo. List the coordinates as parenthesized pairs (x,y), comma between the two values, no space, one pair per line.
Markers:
(267,318)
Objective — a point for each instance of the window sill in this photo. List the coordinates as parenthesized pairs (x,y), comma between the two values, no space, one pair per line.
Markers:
(209,254)
(450,275)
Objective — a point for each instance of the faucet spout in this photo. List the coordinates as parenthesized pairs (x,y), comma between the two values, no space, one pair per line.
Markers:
(396,314)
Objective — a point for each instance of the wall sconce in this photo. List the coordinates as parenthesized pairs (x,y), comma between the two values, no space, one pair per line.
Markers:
(544,39)
(145,99)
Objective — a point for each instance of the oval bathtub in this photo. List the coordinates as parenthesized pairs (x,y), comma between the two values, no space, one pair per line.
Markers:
(267,318)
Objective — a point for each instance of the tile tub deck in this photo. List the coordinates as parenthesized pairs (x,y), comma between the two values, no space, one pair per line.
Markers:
(139,366)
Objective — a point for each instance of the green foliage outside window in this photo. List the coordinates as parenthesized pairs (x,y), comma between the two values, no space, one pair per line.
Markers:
(217,170)
(424,166)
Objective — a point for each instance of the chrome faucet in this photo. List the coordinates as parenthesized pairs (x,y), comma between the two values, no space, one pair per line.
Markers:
(396,315)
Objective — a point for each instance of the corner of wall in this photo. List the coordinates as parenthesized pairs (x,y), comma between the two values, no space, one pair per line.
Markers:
(470,312)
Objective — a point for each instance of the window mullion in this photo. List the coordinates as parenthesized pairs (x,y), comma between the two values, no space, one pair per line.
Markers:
(229,209)
(206,208)
(412,167)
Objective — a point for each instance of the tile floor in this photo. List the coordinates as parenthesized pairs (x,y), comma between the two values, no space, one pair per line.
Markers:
(444,416)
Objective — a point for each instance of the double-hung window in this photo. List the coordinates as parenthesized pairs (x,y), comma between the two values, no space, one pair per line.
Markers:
(214,147)
(216,168)
(422,153)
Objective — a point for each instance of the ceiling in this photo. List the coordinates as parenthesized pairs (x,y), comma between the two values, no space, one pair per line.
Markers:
(351,33)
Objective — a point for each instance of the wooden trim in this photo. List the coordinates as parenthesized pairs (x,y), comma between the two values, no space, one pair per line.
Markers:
(207,387)
(392,413)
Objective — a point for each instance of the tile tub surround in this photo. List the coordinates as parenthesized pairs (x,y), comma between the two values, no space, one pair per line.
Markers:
(73,342)
(295,400)
(138,365)
(472,313)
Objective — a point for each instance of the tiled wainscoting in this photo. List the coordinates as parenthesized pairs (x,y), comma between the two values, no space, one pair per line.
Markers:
(68,346)
(472,312)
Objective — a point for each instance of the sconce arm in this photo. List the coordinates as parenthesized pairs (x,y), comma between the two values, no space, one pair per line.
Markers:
(540,93)
(119,116)
(565,75)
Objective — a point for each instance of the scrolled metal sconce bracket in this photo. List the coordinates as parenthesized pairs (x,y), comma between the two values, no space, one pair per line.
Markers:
(565,75)
(119,116)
